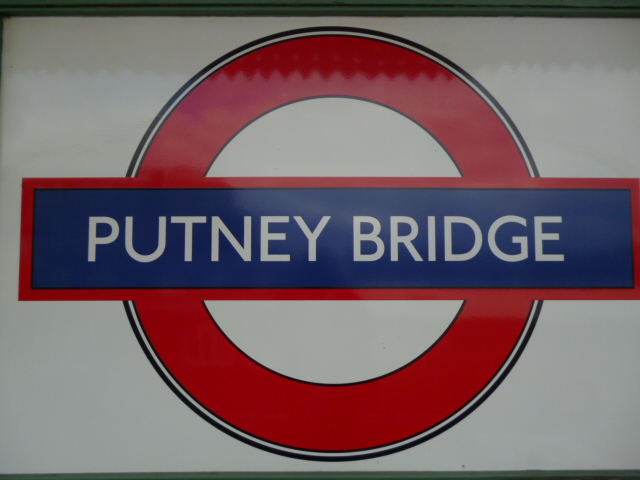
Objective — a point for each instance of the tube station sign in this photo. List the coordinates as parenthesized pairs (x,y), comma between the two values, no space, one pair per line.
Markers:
(506,242)
(499,237)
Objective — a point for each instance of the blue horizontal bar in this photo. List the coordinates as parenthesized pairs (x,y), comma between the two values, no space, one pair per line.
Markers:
(428,238)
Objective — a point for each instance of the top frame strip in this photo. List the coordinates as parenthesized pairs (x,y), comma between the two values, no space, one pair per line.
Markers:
(531,8)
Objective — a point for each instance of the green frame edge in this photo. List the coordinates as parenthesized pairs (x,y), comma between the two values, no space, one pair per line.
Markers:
(507,475)
(555,8)
(477,8)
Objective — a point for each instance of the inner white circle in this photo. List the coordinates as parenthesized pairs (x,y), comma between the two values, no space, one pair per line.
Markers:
(333,137)
(333,341)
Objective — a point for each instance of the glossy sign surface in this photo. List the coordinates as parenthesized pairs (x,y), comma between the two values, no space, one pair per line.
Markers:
(451,378)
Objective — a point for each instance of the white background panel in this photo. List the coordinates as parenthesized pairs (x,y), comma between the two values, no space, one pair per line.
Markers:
(77,393)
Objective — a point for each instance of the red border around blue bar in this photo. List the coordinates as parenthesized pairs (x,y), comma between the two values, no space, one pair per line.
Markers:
(30,185)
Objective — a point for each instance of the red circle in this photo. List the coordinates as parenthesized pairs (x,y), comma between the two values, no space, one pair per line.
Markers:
(293,417)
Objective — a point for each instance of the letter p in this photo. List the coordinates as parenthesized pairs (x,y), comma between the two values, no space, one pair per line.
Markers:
(93,234)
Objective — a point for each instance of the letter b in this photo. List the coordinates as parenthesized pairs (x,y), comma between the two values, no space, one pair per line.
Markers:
(359,237)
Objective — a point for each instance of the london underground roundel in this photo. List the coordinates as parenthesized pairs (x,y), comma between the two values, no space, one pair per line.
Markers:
(384,414)
(167,238)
